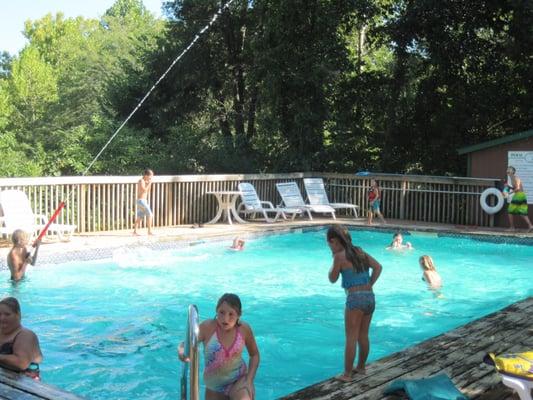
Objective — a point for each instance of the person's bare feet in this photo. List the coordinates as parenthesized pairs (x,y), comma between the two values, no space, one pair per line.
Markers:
(135,233)
(361,371)
(344,378)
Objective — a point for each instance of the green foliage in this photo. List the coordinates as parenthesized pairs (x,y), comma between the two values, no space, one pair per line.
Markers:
(273,86)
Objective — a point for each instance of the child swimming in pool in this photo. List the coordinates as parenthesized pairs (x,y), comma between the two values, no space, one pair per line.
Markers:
(397,243)
(431,276)
(238,244)
(19,257)
(224,338)
(353,265)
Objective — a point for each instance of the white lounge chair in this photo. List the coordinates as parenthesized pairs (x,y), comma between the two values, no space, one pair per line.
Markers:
(18,214)
(317,196)
(252,205)
(292,198)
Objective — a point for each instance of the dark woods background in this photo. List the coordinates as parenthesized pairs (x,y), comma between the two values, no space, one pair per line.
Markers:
(274,86)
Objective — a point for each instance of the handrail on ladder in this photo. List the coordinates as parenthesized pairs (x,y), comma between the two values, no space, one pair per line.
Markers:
(191,352)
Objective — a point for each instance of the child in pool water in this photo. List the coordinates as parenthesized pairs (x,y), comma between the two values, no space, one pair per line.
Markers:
(224,338)
(430,275)
(397,243)
(238,244)
(19,257)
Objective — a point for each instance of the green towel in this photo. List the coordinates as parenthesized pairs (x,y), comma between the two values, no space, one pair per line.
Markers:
(438,387)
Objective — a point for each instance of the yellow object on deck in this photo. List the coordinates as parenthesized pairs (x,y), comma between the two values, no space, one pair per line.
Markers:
(519,364)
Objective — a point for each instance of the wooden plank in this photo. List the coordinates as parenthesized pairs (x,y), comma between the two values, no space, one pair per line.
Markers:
(459,353)
(17,386)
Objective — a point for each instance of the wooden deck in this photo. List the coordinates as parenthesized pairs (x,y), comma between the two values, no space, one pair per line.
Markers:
(16,386)
(458,353)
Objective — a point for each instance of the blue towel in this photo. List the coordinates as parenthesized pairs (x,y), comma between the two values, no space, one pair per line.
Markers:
(438,387)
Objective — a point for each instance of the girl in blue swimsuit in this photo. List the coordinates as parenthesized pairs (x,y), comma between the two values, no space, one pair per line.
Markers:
(353,265)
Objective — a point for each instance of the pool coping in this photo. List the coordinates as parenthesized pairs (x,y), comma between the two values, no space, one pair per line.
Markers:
(172,242)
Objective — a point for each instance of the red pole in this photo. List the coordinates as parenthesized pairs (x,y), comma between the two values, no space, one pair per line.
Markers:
(54,216)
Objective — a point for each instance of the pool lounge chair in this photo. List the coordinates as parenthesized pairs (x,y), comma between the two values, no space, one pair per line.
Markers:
(292,198)
(316,193)
(18,214)
(251,204)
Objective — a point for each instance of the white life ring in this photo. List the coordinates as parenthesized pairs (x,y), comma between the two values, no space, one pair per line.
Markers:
(483,200)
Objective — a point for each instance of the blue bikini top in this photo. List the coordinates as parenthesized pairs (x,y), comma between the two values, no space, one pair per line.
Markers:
(351,278)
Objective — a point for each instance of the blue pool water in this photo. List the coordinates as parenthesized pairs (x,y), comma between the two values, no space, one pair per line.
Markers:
(109,329)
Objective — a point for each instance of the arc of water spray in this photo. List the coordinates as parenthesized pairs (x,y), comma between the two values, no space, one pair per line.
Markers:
(196,37)
(202,31)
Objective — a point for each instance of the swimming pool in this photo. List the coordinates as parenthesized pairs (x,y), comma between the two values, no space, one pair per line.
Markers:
(109,328)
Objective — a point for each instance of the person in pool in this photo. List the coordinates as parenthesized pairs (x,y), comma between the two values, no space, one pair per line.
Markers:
(224,337)
(238,244)
(353,264)
(19,257)
(398,244)
(430,274)
(19,346)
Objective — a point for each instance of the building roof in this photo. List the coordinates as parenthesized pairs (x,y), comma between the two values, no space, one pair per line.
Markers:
(495,142)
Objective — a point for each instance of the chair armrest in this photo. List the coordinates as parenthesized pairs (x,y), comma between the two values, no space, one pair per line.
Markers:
(268,203)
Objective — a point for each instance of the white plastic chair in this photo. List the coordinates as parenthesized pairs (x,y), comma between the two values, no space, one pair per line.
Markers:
(18,214)
(317,196)
(521,385)
(292,198)
(253,205)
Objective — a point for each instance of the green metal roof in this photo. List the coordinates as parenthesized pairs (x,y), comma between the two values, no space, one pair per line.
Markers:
(491,143)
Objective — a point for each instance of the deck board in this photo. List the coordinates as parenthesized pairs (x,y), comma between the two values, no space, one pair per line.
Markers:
(459,353)
(17,386)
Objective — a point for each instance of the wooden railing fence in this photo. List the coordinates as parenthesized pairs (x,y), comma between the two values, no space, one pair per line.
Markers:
(103,203)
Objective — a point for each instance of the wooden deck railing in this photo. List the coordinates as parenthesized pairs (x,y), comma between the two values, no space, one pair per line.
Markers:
(102,203)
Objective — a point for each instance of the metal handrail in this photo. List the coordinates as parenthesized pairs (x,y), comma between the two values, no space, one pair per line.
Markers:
(191,352)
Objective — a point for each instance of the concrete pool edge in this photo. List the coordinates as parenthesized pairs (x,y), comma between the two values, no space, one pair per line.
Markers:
(60,252)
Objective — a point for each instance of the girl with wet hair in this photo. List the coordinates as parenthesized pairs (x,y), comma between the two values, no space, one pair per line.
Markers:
(430,274)
(226,375)
(353,265)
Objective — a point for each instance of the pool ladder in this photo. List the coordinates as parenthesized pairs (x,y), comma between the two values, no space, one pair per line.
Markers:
(191,351)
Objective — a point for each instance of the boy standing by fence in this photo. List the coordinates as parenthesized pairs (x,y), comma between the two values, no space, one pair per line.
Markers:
(143,209)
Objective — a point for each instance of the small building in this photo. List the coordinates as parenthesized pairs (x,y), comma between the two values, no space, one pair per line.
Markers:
(490,160)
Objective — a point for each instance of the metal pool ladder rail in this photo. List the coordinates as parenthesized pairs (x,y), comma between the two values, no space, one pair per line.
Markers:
(191,352)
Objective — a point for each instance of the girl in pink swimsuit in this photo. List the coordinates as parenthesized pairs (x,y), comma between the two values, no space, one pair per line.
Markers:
(225,373)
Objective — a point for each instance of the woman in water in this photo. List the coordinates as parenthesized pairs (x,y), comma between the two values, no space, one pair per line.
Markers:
(353,265)
(19,347)
(224,339)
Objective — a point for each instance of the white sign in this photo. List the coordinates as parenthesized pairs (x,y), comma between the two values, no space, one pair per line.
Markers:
(523,163)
